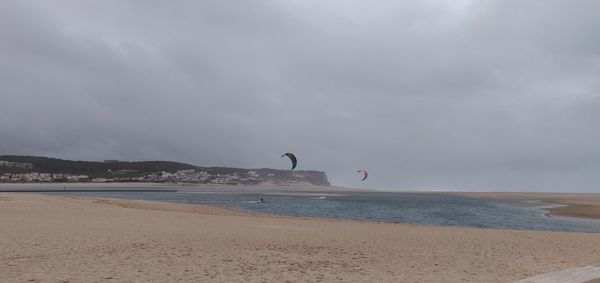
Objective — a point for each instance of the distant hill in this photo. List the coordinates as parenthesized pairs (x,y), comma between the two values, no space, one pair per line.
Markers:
(54,165)
(126,169)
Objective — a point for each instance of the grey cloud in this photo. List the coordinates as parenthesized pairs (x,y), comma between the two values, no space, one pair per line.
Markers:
(499,95)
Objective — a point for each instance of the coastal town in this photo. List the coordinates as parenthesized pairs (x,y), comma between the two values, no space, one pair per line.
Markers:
(182,176)
(23,172)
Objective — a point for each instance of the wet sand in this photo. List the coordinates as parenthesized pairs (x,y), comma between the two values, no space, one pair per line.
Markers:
(69,239)
(586,205)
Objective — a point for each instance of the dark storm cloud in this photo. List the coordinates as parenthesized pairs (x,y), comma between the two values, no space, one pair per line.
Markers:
(497,95)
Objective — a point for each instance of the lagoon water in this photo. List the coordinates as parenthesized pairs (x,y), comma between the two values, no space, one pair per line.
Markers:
(415,208)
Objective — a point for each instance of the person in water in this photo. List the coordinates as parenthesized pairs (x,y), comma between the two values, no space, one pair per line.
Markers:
(262,200)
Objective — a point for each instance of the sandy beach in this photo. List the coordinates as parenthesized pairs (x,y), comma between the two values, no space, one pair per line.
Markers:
(69,239)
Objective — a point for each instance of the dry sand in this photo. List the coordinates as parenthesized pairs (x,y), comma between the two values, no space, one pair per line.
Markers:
(585,205)
(68,239)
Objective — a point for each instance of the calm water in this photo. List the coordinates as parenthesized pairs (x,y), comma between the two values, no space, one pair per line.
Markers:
(417,208)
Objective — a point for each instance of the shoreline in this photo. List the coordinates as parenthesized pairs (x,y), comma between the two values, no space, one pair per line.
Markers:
(226,210)
(544,207)
(574,205)
(191,207)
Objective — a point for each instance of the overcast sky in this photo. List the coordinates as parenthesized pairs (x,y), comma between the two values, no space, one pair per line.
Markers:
(471,95)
